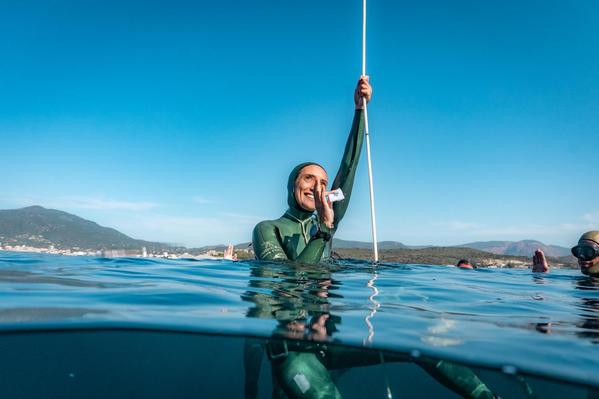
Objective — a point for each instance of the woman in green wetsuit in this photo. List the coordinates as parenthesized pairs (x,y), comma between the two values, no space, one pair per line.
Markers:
(298,235)
(301,368)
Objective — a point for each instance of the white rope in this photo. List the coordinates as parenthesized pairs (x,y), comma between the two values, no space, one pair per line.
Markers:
(367,133)
(375,292)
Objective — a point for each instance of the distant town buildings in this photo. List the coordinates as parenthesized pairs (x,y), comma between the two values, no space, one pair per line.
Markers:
(117,253)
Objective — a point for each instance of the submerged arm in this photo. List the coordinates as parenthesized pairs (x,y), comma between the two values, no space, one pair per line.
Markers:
(460,379)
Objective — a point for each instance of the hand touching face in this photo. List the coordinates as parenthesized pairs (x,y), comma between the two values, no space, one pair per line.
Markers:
(308,180)
(310,193)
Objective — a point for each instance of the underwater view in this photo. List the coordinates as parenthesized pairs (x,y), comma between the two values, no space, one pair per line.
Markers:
(299,200)
(132,327)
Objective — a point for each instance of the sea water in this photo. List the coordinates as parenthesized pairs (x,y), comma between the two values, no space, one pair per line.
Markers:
(135,327)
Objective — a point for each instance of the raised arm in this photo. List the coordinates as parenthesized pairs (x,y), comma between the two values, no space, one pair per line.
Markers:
(539,262)
(351,156)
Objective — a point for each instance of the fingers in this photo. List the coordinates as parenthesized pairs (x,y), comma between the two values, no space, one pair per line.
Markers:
(539,262)
(363,88)
(318,199)
(317,191)
(327,197)
(322,319)
(540,255)
(324,200)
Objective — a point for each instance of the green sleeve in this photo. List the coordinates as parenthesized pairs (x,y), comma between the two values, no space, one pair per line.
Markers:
(303,376)
(314,250)
(349,164)
(265,241)
(267,245)
(460,379)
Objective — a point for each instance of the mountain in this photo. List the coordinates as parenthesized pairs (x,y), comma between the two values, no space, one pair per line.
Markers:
(221,247)
(517,248)
(511,248)
(450,256)
(38,226)
(345,244)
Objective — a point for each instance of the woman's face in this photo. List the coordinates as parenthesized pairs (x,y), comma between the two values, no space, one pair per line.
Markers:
(308,178)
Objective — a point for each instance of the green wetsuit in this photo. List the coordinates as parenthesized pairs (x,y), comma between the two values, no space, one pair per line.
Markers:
(302,373)
(289,237)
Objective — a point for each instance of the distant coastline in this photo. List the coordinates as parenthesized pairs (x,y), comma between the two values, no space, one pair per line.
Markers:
(40,230)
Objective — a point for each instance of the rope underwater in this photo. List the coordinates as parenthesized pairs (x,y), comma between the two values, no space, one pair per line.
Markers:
(375,292)
(375,250)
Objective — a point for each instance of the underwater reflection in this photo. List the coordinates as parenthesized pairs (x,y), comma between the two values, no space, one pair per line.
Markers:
(304,364)
(297,296)
(587,326)
(589,307)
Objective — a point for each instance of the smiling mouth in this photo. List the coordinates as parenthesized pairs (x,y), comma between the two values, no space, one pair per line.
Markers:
(310,196)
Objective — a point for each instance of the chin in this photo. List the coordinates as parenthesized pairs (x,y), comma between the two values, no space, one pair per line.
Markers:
(309,208)
(592,271)
(584,271)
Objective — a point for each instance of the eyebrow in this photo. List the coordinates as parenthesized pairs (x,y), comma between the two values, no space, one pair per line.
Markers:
(311,175)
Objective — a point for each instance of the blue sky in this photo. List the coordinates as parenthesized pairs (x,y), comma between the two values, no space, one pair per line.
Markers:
(179,121)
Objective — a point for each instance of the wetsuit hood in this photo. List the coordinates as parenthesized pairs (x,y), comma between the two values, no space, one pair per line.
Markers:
(295,209)
(590,236)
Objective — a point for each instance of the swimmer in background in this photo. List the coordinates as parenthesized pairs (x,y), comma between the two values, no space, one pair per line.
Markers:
(587,253)
(229,253)
(465,264)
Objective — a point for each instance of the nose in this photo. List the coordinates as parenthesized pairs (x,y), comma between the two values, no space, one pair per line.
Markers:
(317,183)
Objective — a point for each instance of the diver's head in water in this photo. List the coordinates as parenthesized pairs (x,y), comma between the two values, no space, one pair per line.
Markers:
(587,253)
(465,264)
(302,184)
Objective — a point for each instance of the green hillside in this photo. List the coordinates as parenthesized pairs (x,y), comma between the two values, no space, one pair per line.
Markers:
(38,226)
(448,256)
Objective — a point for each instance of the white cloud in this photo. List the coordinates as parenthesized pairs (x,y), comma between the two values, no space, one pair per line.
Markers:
(81,202)
(552,232)
(585,222)
(456,225)
(141,220)
(189,231)
(106,204)
(198,199)
(592,217)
